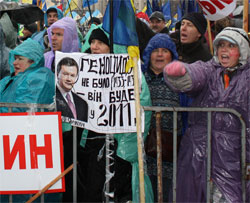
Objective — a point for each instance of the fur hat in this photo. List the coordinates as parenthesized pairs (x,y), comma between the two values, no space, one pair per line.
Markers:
(100,35)
(198,20)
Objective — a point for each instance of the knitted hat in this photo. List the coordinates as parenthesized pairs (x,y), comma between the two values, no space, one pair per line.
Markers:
(160,40)
(100,35)
(198,20)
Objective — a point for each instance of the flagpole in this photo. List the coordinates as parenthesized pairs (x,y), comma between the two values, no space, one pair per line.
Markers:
(70,8)
(89,11)
(139,132)
(111,27)
(245,16)
(210,37)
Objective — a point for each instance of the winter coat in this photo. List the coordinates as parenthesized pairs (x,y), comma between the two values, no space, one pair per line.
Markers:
(39,36)
(10,32)
(70,39)
(4,56)
(191,52)
(207,90)
(161,40)
(35,85)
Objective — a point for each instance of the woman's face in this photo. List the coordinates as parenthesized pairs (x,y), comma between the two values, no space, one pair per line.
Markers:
(228,54)
(160,57)
(98,47)
(21,63)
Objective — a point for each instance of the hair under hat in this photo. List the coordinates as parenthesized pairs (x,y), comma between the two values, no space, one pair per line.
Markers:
(198,20)
(100,35)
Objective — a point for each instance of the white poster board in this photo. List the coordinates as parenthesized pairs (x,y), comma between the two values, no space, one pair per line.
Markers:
(31,152)
(217,9)
(106,87)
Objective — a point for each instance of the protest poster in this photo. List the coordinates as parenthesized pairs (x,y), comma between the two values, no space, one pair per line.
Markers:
(217,9)
(31,152)
(104,89)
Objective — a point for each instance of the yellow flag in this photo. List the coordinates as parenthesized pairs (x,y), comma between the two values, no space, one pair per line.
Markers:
(133,51)
(71,5)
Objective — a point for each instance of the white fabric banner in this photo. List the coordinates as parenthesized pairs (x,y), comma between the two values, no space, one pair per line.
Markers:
(106,88)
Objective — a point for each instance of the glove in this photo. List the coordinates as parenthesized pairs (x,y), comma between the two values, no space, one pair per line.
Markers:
(175,69)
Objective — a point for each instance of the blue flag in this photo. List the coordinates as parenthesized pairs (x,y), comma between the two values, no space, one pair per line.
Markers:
(179,13)
(91,2)
(183,8)
(124,30)
(156,5)
(193,6)
(149,10)
(166,10)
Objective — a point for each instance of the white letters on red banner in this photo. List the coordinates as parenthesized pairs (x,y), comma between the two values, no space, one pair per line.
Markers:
(31,152)
(217,9)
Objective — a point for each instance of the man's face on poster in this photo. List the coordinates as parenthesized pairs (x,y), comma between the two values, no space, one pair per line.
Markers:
(67,77)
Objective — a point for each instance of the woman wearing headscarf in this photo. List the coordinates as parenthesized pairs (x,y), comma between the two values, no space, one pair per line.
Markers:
(221,82)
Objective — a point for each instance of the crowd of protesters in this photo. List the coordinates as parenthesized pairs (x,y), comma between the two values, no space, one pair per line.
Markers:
(178,70)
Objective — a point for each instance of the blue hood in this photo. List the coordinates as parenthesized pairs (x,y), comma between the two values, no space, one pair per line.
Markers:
(59,13)
(30,49)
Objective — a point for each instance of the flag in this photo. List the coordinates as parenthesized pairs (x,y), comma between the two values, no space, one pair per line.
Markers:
(148,9)
(91,2)
(124,29)
(38,3)
(166,10)
(179,13)
(183,8)
(44,5)
(60,6)
(71,5)
(156,5)
(177,17)
(41,4)
(193,6)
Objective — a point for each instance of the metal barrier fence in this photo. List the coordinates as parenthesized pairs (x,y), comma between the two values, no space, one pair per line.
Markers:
(157,110)
(209,111)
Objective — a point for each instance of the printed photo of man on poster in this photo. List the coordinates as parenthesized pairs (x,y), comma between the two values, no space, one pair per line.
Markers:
(69,103)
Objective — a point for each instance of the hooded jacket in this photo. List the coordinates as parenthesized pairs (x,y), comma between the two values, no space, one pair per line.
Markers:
(70,39)
(35,85)
(207,90)
(39,36)
(4,56)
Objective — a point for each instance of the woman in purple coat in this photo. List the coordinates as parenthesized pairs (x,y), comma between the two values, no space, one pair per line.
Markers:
(224,81)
